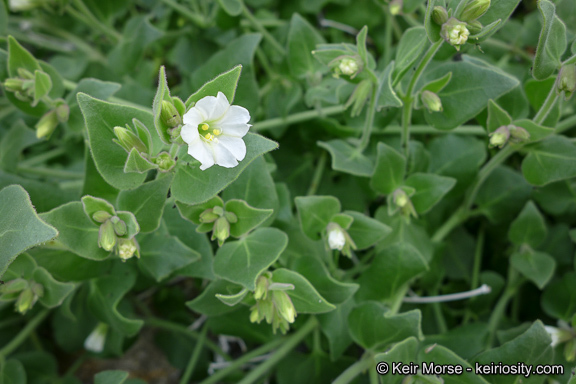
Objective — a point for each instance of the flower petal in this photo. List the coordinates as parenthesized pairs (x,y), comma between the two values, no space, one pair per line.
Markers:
(235,115)
(213,108)
(202,152)
(224,157)
(234,145)
(193,117)
(189,133)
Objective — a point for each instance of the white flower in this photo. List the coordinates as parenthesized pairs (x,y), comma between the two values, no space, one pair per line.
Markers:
(96,340)
(213,130)
(336,237)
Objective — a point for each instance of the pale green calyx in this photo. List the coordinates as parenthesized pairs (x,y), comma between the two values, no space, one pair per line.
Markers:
(474,27)
(566,80)
(273,304)
(518,134)
(164,161)
(500,136)
(46,125)
(128,140)
(221,230)
(401,201)
(474,9)
(431,101)
(101,216)
(455,32)
(170,115)
(106,236)
(439,15)
(360,96)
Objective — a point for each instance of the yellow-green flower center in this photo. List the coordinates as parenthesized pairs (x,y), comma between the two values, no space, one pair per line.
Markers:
(209,134)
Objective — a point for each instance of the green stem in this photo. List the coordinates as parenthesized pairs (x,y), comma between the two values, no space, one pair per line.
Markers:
(397,303)
(24,333)
(281,353)
(477,259)
(509,48)
(194,17)
(513,283)
(406,120)
(547,106)
(263,60)
(367,131)
(260,28)
(566,124)
(238,363)
(355,369)
(93,21)
(43,157)
(317,174)
(175,327)
(57,173)
(439,316)
(387,35)
(297,118)
(456,219)
(194,358)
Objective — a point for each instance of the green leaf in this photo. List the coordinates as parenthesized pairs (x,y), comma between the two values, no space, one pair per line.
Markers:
(207,303)
(19,57)
(162,94)
(146,202)
(232,7)
(248,217)
(14,141)
(42,85)
(136,163)
(334,325)
(244,260)
(361,44)
(430,189)
(537,92)
(550,160)
(193,212)
(529,227)
(499,10)
(105,295)
(315,212)
(304,296)
(96,88)
(366,231)
(225,82)
(404,351)
(386,95)
(54,291)
(390,270)
(532,348)
(538,267)
(551,44)
(390,170)
(410,47)
(497,117)
(12,371)
(559,298)
(110,377)
(101,117)
(373,329)
(93,204)
(193,186)
(348,159)
(442,356)
(20,227)
(77,232)
(432,29)
(94,184)
(473,83)
(162,254)
(302,40)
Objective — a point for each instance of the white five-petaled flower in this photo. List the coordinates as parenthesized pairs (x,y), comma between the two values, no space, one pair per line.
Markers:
(213,130)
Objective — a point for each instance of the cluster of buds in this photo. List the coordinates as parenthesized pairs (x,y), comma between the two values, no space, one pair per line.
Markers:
(221,219)
(111,236)
(456,30)
(566,80)
(339,239)
(346,65)
(273,304)
(508,133)
(399,200)
(25,292)
(171,116)
(431,101)
(23,86)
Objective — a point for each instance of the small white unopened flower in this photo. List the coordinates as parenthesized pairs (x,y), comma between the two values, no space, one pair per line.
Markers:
(336,236)
(96,340)
(559,335)
(213,130)
(348,66)
(455,32)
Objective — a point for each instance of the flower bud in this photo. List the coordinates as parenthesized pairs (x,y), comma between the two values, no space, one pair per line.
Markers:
(97,338)
(396,7)
(13,286)
(25,301)
(231,217)
(14,85)
(25,74)
(570,351)
(119,225)
(284,305)
(348,66)
(127,248)
(431,101)
(255,315)
(218,210)
(128,140)
(208,216)
(401,199)
(474,27)
(558,335)
(402,202)
(106,236)
(499,137)
(455,32)
(46,125)
(566,80)
(261,288)
(439,15)
(101,216)
(221,230)
(474,9)
(336,236)
(518,134)
(266,308)
(37,289)
(164,161)
(169,114)
(359,96)
(62,112)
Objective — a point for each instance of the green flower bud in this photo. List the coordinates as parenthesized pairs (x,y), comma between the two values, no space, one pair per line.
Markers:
(474,27)
(127,248)
(47,125)
(499,137)
(266,308)
(261,290)
(169,114)
(119,225)
(208,216)
(474,9)
(62,112)
(14,85)
(570,351)
(128,140)
(37,289)
(566,80)
(101,216)
(455,32)
(439,15)
(284,305)
(221,230)
(164,161)
(401,199)
(25,74)
(218,210)
(25,301)
(396,7)
(106,236)
(360,96)
(403,203)
(231,217)
(255,315)
(518,134)
(13,286)
(431,101)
